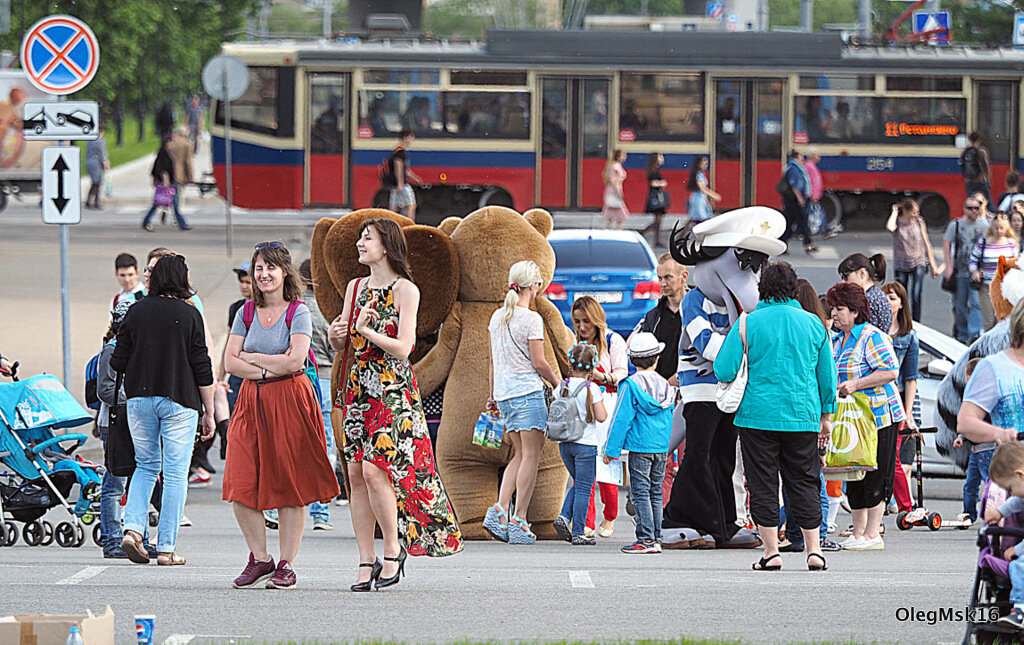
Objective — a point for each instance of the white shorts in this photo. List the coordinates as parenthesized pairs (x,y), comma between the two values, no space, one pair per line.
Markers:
(402,198)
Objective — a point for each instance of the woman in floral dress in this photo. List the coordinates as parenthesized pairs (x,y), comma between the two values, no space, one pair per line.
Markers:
(391,469)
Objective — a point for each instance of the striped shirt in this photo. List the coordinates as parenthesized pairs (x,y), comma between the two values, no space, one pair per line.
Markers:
(865,351)
(704,328)
(986,256)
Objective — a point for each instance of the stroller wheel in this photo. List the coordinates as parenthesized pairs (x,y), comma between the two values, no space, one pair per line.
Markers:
(97,535)
(12,533)
(66,535)
(88,518)
(47,534)
(32,533)
(79,535)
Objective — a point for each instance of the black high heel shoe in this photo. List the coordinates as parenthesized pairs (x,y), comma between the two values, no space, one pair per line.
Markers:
(393,580)
(375,568)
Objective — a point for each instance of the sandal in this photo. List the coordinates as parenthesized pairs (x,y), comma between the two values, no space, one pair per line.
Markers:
(170,559)
(493,523)
(133,547)
(816,567)
(762,564)
(519,532)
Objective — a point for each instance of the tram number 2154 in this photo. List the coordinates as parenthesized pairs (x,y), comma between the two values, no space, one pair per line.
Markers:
(879,164)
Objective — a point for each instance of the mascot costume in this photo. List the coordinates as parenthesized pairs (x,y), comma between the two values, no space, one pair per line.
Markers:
(726,253)
(1006,290)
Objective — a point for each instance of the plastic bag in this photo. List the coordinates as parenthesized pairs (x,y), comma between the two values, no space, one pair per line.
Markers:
(489,430)
(854,444)
(108,188)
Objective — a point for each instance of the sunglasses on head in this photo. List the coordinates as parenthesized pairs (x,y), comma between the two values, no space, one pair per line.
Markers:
(273,245)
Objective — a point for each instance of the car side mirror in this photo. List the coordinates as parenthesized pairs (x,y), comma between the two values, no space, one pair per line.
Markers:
(939,367)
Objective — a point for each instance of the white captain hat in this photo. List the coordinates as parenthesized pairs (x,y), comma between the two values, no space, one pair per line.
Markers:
(756,228)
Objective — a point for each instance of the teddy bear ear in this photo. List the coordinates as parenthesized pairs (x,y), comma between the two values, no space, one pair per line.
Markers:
(339,246)
(448,225)
(328,297)
(435,270)
(541,220)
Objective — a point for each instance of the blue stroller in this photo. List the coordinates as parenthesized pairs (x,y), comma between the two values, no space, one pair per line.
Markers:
(37,469)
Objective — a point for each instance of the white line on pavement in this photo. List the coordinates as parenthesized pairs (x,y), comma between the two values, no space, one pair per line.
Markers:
(84,574)
(581,580)
(179,639)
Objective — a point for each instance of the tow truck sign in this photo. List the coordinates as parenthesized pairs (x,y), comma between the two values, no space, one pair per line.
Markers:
(67,120)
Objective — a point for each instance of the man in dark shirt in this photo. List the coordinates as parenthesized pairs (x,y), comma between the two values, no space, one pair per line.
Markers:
(663,321)
(245,289)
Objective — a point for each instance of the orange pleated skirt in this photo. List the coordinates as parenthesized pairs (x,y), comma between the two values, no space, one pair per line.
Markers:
(277,451)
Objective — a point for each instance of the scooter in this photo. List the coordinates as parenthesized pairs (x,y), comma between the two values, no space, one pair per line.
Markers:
(920,516)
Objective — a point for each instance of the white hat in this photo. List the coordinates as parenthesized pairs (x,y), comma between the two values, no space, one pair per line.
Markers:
(644,345)
(756,228)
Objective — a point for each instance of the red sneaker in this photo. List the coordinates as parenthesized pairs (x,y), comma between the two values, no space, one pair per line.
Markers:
(254,572)
(283,578)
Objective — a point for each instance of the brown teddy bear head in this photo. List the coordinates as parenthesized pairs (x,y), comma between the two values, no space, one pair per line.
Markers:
(1007,287)
(489,241)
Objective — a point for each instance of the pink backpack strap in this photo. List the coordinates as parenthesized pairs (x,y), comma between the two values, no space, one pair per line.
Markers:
(248,313)
(290,313)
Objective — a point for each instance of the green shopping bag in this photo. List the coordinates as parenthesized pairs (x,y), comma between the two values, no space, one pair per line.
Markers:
(853,449)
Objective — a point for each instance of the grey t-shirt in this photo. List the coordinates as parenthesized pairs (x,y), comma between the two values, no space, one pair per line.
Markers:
(276,338)
(963,236)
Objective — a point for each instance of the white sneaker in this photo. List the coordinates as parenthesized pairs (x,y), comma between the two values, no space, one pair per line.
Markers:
(874,544)
(832,528)
(185,521)
(851,541)
(340,501)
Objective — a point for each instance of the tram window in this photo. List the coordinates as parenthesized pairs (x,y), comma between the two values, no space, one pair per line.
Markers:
(267,105)
(478,115)
(890,120)
(490,77)
(663,107)
(401,77)
(837,82)
(924,84)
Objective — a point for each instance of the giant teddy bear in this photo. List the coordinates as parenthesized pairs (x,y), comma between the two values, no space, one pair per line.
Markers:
(727,253)
(461,268)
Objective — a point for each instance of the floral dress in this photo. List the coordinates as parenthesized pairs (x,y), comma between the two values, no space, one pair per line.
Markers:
(384,424)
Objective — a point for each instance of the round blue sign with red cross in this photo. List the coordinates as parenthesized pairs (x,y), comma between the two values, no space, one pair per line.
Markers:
(60,54)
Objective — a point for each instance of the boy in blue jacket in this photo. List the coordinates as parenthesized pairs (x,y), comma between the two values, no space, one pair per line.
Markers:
(642,425)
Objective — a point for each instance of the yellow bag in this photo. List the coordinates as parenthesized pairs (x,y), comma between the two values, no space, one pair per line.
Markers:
(853,449)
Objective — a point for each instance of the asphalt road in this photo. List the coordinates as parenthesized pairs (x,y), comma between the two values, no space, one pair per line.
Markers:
(550,591)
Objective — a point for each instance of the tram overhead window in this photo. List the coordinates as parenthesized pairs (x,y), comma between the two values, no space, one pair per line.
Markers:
(488,77)
(268,104)
(890,120)
(663,107)
(435,114)
(847,82)
(401,76)
(924,84)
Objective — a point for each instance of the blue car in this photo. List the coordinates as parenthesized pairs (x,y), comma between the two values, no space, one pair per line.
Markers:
(617,268)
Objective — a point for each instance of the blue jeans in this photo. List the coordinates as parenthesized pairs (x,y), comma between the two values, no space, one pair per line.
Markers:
(234,385)
(977,474)
(913,281)
(163,432)
(1017,581)
(966,310)
(319,510)
(646,470)
(797,536)
(177,213)
(110,505)
(581,462)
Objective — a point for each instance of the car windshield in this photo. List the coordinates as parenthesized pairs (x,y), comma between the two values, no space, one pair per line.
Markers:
(613,254)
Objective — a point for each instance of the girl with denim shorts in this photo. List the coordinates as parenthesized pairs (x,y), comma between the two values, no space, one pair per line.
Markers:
(517,391)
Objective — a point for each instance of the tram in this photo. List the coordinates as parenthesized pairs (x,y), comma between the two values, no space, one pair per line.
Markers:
(530,117)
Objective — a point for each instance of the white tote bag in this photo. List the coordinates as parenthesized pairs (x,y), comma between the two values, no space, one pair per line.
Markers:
(728,395)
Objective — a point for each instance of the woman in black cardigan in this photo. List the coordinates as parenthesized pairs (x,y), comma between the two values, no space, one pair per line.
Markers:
(168,379)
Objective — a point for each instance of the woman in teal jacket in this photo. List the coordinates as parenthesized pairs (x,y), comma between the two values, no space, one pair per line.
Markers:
(785,416)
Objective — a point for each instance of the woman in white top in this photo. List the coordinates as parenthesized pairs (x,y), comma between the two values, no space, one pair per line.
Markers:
(591,326)
(517,391)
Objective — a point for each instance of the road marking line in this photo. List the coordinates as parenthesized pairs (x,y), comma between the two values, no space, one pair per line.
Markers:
(84,574)
(179,639)
(581,580)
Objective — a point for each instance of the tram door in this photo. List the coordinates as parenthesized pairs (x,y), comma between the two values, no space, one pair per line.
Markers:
(995,118)
(747,152)
(327,143)
(574,141)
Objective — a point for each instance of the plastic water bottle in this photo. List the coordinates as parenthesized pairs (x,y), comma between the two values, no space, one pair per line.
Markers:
(74,638)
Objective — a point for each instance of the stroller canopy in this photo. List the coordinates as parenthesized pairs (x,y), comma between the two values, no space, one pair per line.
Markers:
(40,402)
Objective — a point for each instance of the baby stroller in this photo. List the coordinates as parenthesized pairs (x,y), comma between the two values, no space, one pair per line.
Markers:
(37,469)
(990,595)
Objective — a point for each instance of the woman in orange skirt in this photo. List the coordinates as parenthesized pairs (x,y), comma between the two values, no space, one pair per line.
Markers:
(277,451)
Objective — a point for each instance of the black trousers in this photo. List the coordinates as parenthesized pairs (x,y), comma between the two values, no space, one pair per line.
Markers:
(796,216)
(877,485)
(766,454)
(702,496)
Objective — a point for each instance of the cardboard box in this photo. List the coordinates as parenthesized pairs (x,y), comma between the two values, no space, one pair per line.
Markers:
(31,629)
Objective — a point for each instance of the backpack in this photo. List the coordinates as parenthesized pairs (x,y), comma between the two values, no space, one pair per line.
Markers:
(386,170)
(564,422)
(309,367)
(92,372)
(782,187)
(970,163)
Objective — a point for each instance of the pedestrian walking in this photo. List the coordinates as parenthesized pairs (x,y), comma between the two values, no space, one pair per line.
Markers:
(276,457)
(658,199)
(161,350)
(698,205)
(912,254)
(794,186)
(815,190)
(181,156)
(580,456)
(163,189)
(867,365)
(234,382)
(396,176)
(974,166)
(392,478)
(1011,195)
(868,273)
(958,242)
(779,337)
(97,162)
(194,120)
(997,242)
(615,210)
(517,373)
(663,320)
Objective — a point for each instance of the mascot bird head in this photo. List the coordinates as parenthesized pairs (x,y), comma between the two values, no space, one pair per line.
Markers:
(727,253)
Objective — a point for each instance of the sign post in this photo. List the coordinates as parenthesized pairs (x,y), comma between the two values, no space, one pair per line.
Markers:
(60,55)
(226,78)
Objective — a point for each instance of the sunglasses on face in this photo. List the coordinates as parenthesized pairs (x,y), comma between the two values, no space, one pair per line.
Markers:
(273,245)
(973,208)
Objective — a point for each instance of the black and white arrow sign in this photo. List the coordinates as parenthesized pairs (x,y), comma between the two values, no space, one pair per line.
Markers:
(62,178)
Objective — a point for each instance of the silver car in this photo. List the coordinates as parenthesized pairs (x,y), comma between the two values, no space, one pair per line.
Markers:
(938,354)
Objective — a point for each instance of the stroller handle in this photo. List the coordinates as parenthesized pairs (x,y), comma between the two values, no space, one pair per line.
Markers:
(997,531)
(52,441)
(908,431)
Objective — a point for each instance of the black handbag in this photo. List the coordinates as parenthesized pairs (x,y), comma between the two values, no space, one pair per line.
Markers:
(658,200)
(120,453)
